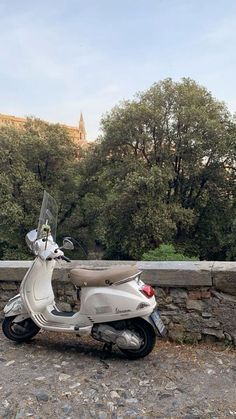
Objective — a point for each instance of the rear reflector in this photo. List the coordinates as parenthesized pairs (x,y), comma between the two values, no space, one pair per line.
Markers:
(148,291)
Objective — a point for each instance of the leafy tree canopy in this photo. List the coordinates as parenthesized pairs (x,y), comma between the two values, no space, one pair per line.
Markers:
(165,168)
(163,171)
(39,157)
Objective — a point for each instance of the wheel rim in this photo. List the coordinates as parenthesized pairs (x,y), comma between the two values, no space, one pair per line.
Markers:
(138,330)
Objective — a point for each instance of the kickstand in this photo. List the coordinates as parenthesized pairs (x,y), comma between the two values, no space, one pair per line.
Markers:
(106,351)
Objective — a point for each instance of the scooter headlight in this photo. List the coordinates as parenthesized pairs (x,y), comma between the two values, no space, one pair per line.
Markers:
(30,239)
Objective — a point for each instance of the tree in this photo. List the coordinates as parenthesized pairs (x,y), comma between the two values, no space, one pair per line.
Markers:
(40,156)
(163,171)
(166,159)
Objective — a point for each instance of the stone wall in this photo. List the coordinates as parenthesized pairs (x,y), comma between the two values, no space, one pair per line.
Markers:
(197,300)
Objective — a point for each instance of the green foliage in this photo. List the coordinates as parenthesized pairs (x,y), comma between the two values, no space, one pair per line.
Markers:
(41,156)
(163,171)
(165,252)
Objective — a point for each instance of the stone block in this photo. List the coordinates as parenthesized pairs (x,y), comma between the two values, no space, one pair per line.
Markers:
(176,333)
(172,307)
(69,299)
(199,294)
(224,277)
(178,318)
(60,292)
(228,337)
(176,274)
(178,295)
(13,270)
(196,305)
(213,332)
(168,299)
(192,322)
(224,298)
(165,320)
(212,323)
(206,315)
(70,292)
(159,292)
(205,294)
(234,337)
(64,306)
(192,337)
(195,295)
(9,286)
(5,296)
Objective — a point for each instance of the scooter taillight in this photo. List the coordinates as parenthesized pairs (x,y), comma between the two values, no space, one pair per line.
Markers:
(148,291)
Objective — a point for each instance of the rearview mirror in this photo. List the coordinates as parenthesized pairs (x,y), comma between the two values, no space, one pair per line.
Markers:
(67,244)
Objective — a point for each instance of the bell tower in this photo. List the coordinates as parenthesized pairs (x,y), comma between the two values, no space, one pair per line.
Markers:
(82,130)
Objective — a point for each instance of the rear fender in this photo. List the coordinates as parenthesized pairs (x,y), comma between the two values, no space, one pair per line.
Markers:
(150,321)
(15,307)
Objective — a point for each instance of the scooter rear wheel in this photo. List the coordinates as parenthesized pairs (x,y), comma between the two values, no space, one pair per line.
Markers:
(19,332)
(146,332)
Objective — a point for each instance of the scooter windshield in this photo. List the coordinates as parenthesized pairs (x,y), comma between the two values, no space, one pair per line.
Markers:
(48,217)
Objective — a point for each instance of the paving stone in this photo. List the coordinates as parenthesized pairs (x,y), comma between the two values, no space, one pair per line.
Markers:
(42,396)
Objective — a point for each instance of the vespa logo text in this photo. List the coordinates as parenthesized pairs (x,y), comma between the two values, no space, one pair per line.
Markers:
(122,311)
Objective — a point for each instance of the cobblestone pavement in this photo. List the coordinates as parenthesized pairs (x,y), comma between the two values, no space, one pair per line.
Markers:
(57,376)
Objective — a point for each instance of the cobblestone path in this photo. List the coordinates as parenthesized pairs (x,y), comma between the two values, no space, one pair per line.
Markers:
(57,376)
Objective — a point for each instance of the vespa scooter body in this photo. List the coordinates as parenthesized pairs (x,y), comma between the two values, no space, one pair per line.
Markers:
(98,304)
(115,308)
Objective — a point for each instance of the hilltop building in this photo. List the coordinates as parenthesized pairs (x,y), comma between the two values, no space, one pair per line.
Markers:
(77,133)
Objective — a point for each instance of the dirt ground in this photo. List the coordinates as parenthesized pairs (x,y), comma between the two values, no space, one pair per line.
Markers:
(61,376)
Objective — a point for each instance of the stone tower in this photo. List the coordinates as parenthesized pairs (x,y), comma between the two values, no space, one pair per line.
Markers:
(82,130)
(77,133)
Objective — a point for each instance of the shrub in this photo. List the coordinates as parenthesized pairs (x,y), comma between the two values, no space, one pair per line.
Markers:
(166,252)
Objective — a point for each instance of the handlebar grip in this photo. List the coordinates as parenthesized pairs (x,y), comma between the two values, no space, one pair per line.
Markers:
(65,258)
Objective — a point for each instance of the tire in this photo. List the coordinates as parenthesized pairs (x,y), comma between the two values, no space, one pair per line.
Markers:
(146,333)
(19,332)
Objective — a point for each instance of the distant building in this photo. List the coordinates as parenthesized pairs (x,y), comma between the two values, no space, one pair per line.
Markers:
(77,133)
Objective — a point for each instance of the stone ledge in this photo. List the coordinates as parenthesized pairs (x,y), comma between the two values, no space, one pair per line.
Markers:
(177,274)
(14,270)
(224,277)
(161,274)
(220,275)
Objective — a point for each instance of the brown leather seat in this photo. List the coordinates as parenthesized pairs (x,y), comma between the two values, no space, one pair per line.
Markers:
(101,278)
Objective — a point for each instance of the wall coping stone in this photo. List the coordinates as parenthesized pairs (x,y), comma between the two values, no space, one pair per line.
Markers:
(177,274)
(189,274)
(220,275)
(224,277)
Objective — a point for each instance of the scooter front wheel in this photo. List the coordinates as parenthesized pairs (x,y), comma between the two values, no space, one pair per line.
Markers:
(19,332)
(146,332)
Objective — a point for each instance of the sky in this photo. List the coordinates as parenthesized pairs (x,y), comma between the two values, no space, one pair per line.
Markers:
(61,57)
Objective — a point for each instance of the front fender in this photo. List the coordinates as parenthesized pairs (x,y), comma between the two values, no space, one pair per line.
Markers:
(14,307)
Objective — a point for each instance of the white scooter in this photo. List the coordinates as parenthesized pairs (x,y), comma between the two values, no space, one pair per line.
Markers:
(116,307)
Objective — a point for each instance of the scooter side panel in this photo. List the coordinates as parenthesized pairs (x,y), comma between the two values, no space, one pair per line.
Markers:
(116,302)
(36,289)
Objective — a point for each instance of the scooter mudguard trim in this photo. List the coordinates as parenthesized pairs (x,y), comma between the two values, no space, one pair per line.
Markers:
(14,307)
(158,323)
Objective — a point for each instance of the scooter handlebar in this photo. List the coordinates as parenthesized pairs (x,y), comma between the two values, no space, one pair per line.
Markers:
(65,258)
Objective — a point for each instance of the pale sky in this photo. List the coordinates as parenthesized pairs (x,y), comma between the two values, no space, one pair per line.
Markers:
(60,57)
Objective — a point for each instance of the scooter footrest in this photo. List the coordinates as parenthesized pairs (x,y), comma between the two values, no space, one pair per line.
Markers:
(62,313)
